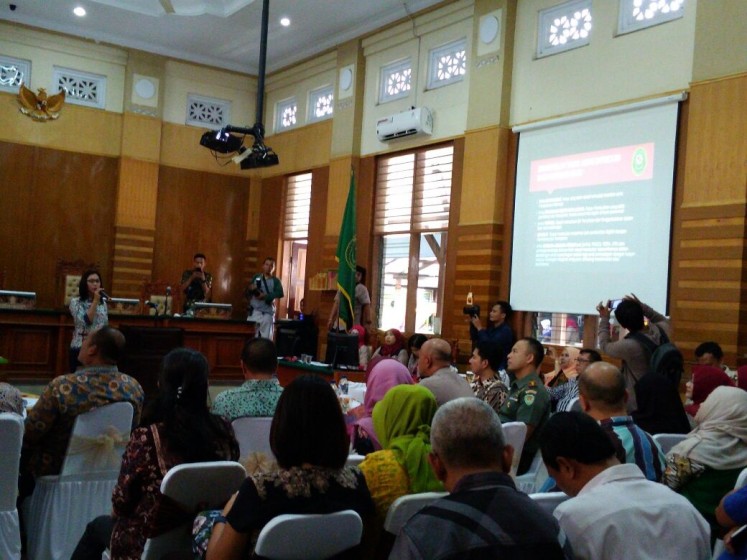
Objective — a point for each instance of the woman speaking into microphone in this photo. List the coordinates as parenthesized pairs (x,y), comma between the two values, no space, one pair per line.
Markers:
(88,311)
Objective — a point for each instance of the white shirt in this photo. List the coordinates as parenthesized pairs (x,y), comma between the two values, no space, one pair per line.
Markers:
(619,514)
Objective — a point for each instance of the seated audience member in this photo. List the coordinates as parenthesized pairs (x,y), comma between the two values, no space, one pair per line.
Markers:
(528,400)
(10,399)
(487,384)
(402,421)
(711,354)
(364,352)
(630,313)
(310,442)
(702,383)
(394,346)
(731,514)
(50,422)
(414,343)
(565,366)
(705,466)
(259,394)
(186,433)
(384,375)
(742,377)
(497,331)
(484,515)
(563,396)
(614,512)
(436,373)
(660,409)
(603,397)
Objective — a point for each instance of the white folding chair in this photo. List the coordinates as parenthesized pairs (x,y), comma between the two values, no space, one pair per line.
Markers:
(515,434)
(534,477)
(61,505)
(404,507)
(548,501)
(206,485)
(253,435)
(11,436)
(668,441)
(354,459)
(309,537)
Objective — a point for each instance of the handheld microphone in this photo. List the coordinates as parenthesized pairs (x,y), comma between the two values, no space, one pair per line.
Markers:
(103,295)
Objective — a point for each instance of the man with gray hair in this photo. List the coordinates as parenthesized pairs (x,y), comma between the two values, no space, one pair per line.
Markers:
(434,367)
(484,516)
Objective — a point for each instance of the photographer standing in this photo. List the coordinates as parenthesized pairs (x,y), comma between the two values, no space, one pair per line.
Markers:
(497,332)
(196,283)
(262,292)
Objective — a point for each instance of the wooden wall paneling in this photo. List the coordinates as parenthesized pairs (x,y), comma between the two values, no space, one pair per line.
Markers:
(450,324)
(133,261)
(365,202)
(17,175)
(202,212)
(251,267)
(315,252)
(270,219)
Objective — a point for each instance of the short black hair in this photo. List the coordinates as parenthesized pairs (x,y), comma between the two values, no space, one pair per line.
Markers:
(490,351)
(110,343)
(416,341)
(505,307)
(308,426)
(629,314)
(260,355)
(594,355)
(574,435)
(199,256)
(536,348)
(362,270)
(709,347)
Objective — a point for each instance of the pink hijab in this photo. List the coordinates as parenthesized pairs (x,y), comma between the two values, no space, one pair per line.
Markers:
(386,374)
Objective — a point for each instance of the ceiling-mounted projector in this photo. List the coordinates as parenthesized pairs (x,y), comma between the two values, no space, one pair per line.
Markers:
(221,141)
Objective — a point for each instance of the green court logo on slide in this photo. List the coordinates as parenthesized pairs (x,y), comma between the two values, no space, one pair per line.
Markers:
(639,161)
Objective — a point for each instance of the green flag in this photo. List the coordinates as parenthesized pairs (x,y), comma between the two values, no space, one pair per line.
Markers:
(345,257)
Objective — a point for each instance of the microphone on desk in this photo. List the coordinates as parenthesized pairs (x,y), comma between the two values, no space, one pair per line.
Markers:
(152,305)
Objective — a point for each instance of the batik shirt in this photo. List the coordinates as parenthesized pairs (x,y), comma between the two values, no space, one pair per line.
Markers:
(255,397)
(50,423)
(492,391)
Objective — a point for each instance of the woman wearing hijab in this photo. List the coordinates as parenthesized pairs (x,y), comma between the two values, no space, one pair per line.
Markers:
(402,422)
(565,366)
(702,383)
(364,353)
(395,346)
(384,375)
(660,409)
(705,466)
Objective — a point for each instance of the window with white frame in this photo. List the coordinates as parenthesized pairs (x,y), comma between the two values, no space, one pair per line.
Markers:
(447,64)
(396,81)
(564,27)
(321,103)
(13,71)
(296,238)
(207,111)
(640,14)
(411,219)
(81,88)
(286,114)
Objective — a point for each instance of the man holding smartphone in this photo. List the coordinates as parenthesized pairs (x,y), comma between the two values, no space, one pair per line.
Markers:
(196,284)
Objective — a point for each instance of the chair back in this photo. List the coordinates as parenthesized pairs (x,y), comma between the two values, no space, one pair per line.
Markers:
(548,501)
(404,507)
(253,435)
(11,435)
(156,292)
(195,487)
(98,441)
(515,434)
(309,537)
(668,441)
(68,277)
(741,480)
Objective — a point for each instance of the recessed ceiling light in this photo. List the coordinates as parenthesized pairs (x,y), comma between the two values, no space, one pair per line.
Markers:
(79,11)
(285,21)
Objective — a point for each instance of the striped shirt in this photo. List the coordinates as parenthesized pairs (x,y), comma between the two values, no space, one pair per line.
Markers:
(634,445)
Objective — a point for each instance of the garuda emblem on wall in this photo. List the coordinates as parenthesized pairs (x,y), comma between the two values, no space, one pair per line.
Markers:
(39,106)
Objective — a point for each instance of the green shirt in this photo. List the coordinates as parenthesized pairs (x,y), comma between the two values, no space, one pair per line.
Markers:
(529,402)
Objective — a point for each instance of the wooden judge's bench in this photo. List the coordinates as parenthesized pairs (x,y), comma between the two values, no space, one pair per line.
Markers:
(36,343)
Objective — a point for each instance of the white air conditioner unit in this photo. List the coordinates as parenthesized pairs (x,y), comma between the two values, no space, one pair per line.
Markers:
(417,120)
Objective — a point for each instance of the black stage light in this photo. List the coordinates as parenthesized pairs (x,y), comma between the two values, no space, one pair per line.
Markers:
(221,141)
(259,156)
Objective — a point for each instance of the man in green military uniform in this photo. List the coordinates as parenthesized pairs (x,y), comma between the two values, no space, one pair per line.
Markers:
(528,400)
